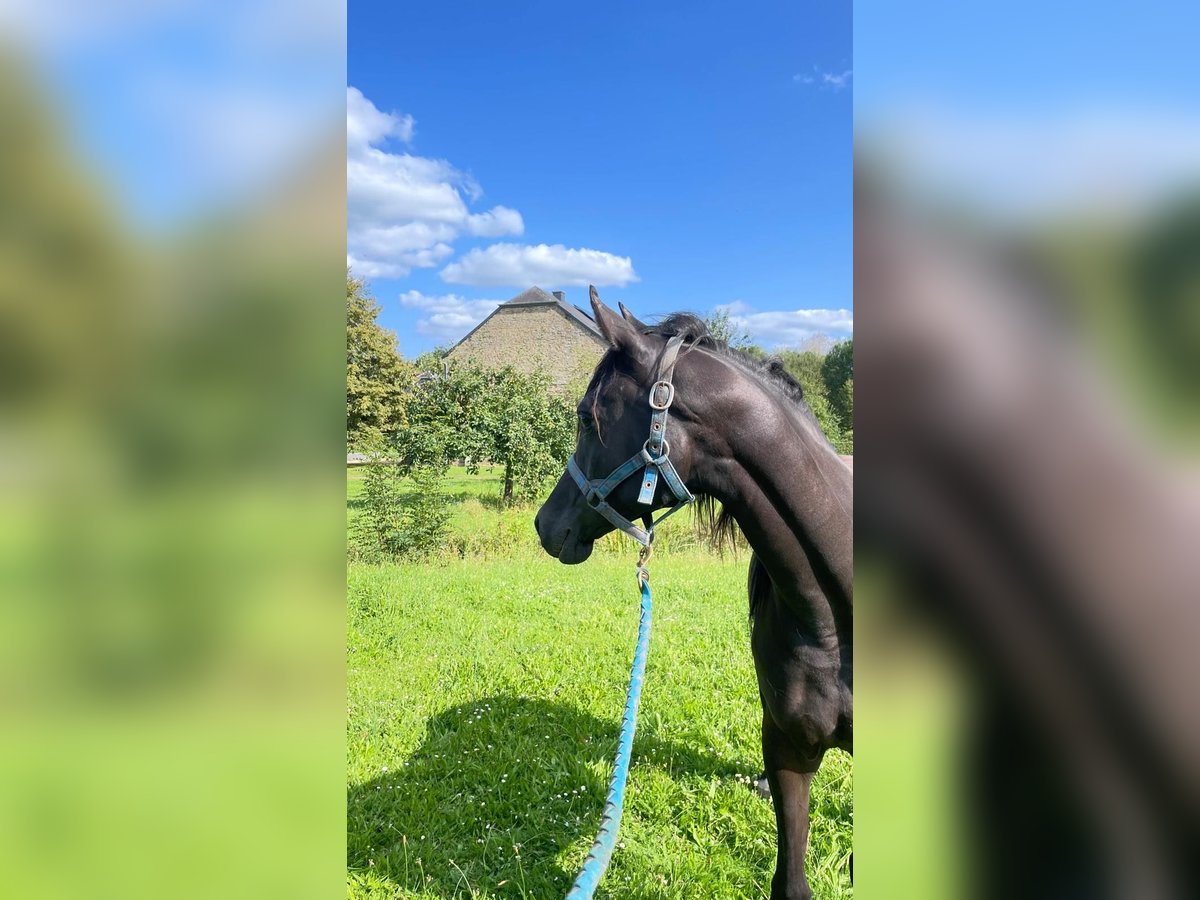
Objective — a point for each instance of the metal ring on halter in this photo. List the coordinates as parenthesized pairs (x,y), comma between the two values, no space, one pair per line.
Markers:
(670,395)
(656,460)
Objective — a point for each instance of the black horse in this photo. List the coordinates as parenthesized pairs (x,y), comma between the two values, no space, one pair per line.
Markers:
(739,434)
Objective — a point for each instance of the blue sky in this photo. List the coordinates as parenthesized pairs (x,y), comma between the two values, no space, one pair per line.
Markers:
(1033,112)
(1027,56)
(680,156)
(188,106)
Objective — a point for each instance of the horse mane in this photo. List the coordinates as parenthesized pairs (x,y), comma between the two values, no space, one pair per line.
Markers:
(770,370)
(714,521)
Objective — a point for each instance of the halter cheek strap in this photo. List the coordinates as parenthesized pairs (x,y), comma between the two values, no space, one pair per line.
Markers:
(654,458)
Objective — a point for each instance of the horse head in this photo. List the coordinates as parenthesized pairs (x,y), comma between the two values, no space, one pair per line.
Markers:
(635,444)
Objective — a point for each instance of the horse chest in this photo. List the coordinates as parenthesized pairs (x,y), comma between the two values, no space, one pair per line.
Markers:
(803,660)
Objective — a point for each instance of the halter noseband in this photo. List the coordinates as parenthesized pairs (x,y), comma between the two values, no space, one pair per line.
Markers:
(654,455)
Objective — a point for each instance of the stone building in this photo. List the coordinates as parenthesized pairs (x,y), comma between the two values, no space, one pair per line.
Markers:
(535,330)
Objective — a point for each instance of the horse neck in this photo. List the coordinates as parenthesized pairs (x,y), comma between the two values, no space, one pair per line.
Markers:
(788,490)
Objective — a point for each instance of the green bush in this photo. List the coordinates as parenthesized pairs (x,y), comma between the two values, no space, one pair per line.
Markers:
(405,510)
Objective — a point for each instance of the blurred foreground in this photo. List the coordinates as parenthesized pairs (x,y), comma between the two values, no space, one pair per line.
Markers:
(1028,511)
(171,677)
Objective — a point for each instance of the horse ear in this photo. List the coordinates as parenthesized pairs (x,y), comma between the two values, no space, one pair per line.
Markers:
(630,318)
(619,333)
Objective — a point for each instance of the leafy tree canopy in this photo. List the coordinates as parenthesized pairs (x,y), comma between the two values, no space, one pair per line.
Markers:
(805,367)
(836,370)
(377,378)
(504,417)
(725,329)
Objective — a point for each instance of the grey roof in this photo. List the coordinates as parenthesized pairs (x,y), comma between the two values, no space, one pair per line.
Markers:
(531,297)
(535,296)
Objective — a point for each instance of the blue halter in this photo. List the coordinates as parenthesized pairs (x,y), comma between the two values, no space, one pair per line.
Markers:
(654,458)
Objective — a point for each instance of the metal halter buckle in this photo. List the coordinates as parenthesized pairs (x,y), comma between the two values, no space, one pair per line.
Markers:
(670,395)
(656,460)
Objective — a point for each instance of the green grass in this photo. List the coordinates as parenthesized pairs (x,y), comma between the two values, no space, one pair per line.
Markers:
(485,694)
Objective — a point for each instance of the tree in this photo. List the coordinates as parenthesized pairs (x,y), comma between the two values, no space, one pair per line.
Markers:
(836,370)
(531,430)
(725,329)
(848,421)
(818,342)
(806,367)
(445,419)
(377,378)
(430,360)
(1163,274)
(504,417)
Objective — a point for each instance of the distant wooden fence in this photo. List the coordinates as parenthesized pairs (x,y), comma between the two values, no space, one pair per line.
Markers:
(361,459)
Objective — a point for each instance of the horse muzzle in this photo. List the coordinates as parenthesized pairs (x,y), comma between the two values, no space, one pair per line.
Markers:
(563,543)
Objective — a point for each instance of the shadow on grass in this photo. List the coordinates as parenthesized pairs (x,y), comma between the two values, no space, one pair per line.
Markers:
(496,791)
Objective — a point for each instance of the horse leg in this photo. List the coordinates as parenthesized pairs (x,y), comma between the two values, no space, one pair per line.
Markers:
(790,776)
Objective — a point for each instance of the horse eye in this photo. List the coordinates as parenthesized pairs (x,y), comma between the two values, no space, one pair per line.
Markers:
(585,419)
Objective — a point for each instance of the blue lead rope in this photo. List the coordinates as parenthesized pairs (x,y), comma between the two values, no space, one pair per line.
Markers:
(602,849)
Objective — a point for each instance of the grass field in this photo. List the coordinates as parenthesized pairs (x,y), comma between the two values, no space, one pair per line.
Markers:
(485,694)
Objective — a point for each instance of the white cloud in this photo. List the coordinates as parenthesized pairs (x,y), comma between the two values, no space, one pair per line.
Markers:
(447,317)
(366,125)
(315,28)
(837,81)
(789,328)
(76,24)
(1115,161)
(496,222)
(378,240)
(387,189)
(400,264)
(405,211)
(834,81)
(517,265)
(226,136)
